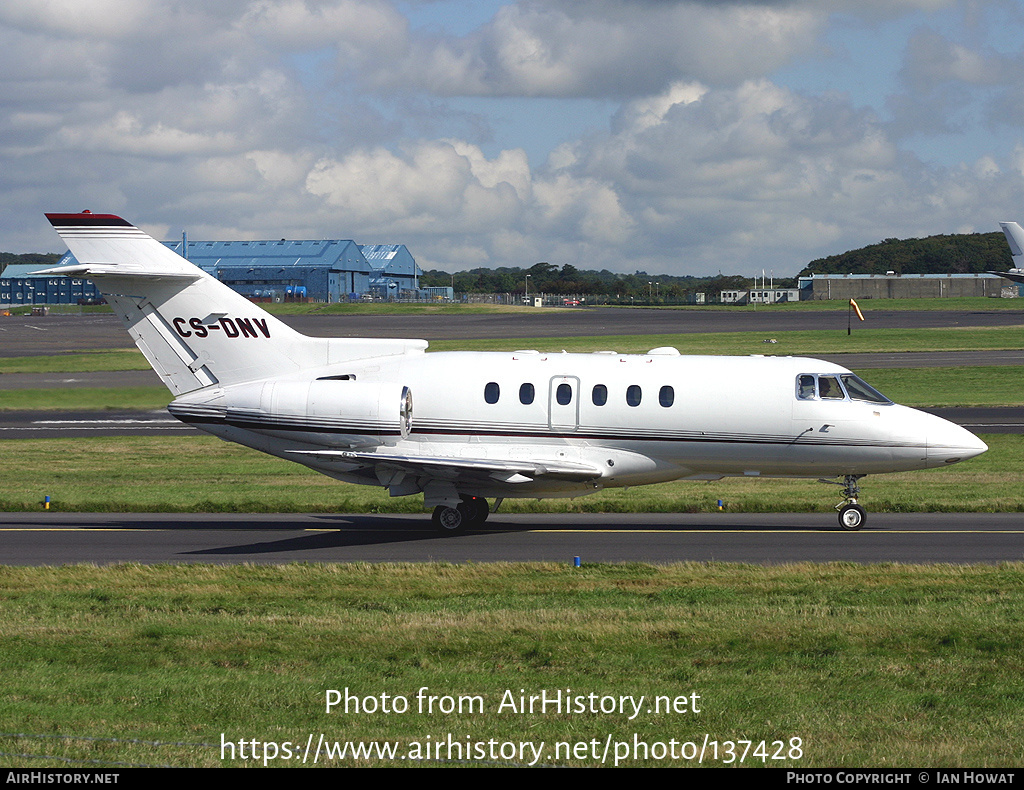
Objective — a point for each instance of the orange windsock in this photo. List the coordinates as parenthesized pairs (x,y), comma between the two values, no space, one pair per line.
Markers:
(860,315)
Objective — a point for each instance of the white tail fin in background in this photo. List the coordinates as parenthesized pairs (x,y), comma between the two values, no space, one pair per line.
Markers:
(194,330)
(1015,238)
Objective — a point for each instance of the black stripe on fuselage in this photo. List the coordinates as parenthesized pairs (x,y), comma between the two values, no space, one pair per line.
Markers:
(259,424)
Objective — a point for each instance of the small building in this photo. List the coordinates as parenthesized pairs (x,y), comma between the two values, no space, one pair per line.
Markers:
(437,293)
(17,288)
(774,295)
(733,297)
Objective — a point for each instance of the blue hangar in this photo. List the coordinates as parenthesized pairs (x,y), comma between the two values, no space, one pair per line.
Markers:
(329,270)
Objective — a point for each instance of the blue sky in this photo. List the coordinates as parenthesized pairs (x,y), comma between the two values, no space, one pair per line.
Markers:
(677,136)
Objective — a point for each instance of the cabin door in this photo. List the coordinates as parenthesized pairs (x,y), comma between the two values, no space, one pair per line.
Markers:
(564,403)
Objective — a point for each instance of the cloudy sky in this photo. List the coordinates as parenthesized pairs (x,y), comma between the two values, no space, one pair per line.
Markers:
(676,136)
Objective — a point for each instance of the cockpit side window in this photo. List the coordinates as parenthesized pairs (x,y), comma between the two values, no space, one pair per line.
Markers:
(829,389)
(805,387)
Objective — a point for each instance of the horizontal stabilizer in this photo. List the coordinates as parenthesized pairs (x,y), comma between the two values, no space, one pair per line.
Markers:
(95,270)
(109,245)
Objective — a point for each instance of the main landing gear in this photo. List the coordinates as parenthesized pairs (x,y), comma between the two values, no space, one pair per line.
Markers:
(851,515)
(470,513)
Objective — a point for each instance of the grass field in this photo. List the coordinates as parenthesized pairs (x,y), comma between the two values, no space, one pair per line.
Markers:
(204,474)
(796,343)
(827,665)
(80,362)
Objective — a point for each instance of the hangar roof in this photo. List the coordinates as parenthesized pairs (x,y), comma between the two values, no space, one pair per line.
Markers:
(333,254)
(393,259)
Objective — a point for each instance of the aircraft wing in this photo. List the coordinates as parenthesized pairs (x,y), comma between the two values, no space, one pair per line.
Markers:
(457,468)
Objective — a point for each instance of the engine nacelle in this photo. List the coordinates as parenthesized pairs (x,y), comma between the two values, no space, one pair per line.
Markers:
(338,411)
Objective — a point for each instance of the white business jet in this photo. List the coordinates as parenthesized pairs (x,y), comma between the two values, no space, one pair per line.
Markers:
(461,427)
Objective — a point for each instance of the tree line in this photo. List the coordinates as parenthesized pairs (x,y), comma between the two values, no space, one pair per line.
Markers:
(963,253)
(546,277)
(955,254)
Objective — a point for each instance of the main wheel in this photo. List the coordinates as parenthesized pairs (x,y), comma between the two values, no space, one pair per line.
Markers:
(475,509)
(471,512)
(852,517)
(449,520)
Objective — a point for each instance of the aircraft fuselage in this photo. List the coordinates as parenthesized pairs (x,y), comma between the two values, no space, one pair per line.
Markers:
(633,419)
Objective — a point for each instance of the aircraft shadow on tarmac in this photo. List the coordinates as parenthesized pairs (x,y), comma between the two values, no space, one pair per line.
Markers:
(352,531)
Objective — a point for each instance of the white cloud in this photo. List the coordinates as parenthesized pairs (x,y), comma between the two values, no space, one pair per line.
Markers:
(310,24)
(604,48)
(94,19)
(428,187)
(327,118)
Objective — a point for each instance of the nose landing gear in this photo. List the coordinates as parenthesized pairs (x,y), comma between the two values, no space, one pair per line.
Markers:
(851,515)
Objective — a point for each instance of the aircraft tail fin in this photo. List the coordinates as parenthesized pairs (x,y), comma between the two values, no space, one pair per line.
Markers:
(194,330)
(1015,238)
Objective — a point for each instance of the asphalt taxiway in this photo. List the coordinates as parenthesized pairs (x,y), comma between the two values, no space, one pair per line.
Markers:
(50,538)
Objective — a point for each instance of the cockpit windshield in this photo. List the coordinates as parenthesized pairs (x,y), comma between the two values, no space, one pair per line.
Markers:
(859,389)
(845,386)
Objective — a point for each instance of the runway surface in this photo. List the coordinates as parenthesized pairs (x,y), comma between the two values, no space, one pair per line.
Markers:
(28,336)
(49,538)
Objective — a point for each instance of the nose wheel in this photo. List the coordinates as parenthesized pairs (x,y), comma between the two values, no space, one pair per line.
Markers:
(851,515)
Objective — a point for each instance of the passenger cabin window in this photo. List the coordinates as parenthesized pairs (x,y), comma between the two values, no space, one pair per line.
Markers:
(492,392)
(563,394)
(666,396)
(633,395)
(599,395)
(526,394)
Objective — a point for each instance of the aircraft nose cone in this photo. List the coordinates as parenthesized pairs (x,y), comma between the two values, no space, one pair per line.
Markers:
(948,443)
